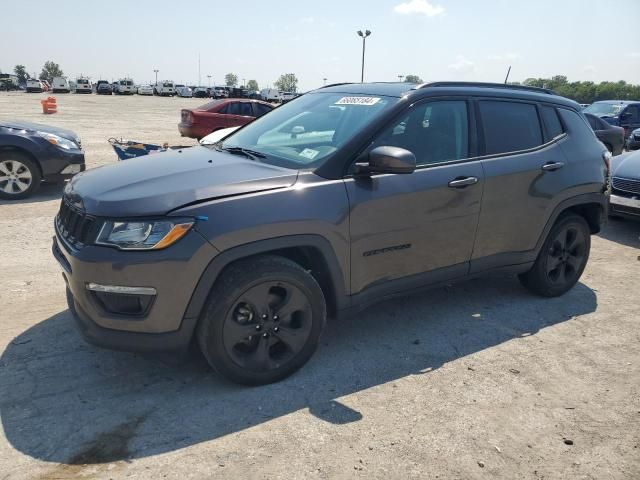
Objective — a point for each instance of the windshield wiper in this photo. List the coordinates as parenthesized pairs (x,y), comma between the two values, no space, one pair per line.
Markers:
(252,154)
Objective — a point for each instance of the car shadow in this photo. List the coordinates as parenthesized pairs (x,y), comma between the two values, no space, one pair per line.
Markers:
(622,231)
(46,192)
(68,402)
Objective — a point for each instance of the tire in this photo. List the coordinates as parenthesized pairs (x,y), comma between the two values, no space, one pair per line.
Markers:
(562,258)
(19,176)
(262,320)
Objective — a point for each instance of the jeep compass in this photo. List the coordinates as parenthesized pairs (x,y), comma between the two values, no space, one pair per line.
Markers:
(344,196)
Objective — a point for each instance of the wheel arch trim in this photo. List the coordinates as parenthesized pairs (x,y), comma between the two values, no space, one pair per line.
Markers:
(225,258)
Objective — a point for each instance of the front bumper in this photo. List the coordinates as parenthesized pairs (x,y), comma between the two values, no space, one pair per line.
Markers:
(633,143)
(624,206)
(54,161)
(173,273)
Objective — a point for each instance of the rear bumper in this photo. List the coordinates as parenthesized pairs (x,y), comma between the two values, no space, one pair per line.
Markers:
(193,131)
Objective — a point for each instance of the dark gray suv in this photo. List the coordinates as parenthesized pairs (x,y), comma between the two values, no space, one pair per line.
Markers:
(345,196)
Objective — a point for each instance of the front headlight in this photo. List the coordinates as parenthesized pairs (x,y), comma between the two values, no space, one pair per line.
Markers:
(143,235)
(59,141)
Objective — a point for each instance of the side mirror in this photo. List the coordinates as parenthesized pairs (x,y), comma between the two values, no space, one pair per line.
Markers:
(387,160)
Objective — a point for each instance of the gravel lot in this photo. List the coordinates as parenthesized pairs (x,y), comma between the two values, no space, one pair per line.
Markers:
(472,381)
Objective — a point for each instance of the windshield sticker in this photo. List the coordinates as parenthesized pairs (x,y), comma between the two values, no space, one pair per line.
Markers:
(367,101)
(309,153)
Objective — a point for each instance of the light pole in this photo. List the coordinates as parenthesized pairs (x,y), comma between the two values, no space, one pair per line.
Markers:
(400,77)
(156,72)
(209,77)
(324,80)
(244,83)
(364,41)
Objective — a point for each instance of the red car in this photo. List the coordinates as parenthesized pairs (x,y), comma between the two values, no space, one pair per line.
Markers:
(232,112)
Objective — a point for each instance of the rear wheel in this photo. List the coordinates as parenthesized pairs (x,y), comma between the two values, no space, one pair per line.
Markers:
(262,320)
(19,176)
(562,258)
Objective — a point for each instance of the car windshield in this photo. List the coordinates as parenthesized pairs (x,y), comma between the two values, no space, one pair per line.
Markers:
(306,132)
(604,109)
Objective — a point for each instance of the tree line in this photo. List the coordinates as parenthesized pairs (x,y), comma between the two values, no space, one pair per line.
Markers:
(587,92)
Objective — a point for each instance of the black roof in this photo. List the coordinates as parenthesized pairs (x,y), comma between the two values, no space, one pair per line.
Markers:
(404,89)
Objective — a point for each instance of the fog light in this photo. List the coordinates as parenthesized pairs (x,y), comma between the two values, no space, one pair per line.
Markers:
(72,169)
(120,300)
(96,287)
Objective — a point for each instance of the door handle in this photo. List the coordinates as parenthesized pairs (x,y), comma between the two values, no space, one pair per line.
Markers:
(463,182)
(552,166)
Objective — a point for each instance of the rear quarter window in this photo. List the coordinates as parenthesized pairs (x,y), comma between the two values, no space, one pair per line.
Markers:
(551,122)
(576,125)
(509,126)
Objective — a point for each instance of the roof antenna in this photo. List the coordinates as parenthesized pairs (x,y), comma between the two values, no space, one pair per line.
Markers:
(507,77)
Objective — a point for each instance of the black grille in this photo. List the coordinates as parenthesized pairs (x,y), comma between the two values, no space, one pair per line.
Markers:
(626,185)
(73,225)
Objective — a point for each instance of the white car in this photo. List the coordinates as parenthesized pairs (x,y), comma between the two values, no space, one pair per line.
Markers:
(145,90)
(218,135)
(124,86)
(60,85)
(184,92)
(34,86)
(166,87)
(83,85)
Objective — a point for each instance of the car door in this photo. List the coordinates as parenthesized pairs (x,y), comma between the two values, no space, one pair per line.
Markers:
(412,229)
(525,172)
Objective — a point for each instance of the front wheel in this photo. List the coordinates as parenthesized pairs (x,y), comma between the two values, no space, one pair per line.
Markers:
(262,320)
(562,259)
(19,176)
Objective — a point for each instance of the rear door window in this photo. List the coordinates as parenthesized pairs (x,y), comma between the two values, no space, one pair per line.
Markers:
(233,108)
(261,109)
(245,109)
(509,126)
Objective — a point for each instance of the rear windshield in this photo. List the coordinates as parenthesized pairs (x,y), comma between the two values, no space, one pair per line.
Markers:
(210,105)
(604,109)
(167,85)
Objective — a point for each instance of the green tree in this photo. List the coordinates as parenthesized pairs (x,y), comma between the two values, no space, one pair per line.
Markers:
(49,70)
(21,73)
(252,85)
(231,79)
(587,92)
(413,79)
(288,82)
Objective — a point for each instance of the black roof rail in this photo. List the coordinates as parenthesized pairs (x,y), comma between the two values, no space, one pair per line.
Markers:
(487,85)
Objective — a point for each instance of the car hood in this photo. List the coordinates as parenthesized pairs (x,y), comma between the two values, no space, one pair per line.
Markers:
(159,183)
(32,127)
(627,166)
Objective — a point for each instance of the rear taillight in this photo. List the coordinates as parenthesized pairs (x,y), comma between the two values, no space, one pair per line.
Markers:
(187,116)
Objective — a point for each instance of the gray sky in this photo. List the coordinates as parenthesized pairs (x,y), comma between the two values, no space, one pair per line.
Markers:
(435,39)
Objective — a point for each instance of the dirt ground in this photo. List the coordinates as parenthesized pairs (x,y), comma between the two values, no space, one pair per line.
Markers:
(474,381)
